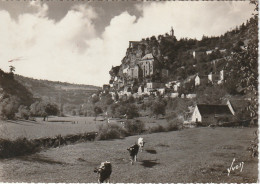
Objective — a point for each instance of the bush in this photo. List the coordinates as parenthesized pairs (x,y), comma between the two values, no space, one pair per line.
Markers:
(8,107)
(202,124)
(119,110)
(23,112)
(18,147)
(134,126)
(42,109)
(174,125)
(156,129)
(113,131)
(132,111)
(97,111)
(158,108)
(172,115)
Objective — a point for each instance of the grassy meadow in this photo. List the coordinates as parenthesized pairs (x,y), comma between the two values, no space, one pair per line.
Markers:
(61,126)
(190,155)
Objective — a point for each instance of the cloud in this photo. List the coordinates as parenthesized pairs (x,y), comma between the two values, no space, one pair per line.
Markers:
(70,49)
(40,8)
(53,50)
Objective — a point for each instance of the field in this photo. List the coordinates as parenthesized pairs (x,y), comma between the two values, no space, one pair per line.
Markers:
(54,126)
(189,155)
(59,125)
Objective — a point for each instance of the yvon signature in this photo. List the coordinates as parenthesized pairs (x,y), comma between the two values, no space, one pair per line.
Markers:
(232,168)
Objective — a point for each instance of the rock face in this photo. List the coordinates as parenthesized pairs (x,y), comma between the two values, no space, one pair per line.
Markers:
(136,66)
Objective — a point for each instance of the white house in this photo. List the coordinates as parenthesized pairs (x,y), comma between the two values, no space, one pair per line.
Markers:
(209,52)
(176,86)
(135,95)
(154,85)
(161,91)
(210,77)
(221,75)
(191,96)
(174,95)
(196,116)
(223,50)
(197,80)
(140,90)
(168,85)
(211,113)
(128,94)
(194,54)
(146,91)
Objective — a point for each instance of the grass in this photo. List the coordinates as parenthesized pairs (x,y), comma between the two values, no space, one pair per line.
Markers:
(11,147)
(61,126)
(191,155)
(55,126)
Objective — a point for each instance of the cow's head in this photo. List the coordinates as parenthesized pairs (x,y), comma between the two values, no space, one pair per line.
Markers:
(141,142)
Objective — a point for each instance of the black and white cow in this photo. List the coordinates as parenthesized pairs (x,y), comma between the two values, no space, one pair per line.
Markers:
(104,171)
(133,150)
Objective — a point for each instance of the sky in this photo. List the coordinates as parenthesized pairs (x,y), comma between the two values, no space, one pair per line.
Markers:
(79,41)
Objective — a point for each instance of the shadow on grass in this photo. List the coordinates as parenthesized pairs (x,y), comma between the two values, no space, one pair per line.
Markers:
(149,163)
(40,159)
(151,151)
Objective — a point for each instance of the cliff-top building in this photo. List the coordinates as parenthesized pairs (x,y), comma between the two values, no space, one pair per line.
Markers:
(148,64)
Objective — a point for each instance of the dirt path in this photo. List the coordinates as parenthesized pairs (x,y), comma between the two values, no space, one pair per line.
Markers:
(191,155)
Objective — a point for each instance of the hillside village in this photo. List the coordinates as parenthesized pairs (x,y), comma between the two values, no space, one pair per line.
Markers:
(168,100)
(147,70)
(187,80)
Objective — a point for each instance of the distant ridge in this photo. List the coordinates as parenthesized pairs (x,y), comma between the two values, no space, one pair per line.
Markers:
(56,83)
(57,92)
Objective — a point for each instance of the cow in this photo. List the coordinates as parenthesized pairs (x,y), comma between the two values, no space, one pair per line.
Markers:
(140,143)
(104,171)
(133,150)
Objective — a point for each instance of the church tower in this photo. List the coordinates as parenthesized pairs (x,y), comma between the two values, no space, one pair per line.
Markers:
(172,32)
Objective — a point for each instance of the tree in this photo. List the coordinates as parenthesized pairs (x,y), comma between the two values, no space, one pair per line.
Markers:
(12,69)
(97,111)
(131,111)
(43,109)
(51,109)
(23,112)
(245,63)
(94,99)
(8,107)
(37,109)
(158,108)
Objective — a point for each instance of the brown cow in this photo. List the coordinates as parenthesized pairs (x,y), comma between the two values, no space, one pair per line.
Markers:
(104,171)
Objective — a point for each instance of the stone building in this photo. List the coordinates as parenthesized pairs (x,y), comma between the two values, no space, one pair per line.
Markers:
(148,64)
(213,78)
(164,73)
(134,72)
(201,79)
(154,85)
(133,44)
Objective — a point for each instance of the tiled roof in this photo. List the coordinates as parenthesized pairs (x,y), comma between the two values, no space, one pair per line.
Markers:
(239,104)
(206,109)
